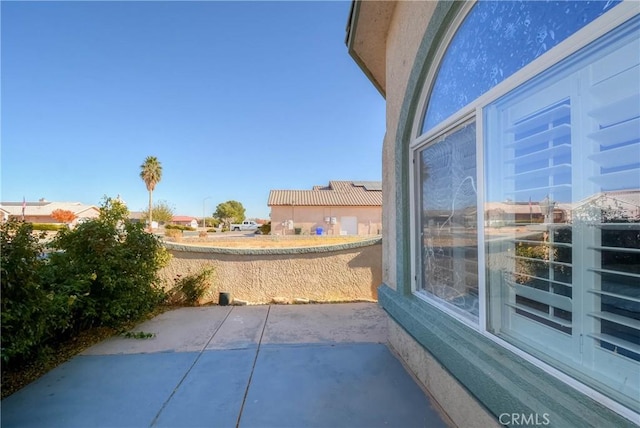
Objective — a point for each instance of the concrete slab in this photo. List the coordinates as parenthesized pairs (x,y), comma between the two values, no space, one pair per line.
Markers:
(180,330)
(323,323)
(98,391)
(317,365)
(242,328)
(342,385)
(212,393)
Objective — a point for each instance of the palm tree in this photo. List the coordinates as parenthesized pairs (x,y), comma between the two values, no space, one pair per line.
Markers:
(151,173)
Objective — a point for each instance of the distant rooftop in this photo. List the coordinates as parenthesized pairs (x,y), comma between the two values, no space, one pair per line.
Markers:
(182,218)
(45,208)
(337,193)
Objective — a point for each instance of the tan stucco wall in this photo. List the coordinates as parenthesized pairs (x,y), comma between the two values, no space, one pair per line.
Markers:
(309,218)
(404,38)
(405,34)
(348,272)
(462,408)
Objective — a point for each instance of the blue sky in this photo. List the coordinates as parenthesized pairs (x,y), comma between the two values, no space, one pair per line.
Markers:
(233,98)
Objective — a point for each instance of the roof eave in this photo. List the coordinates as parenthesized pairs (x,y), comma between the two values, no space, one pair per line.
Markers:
(366,38)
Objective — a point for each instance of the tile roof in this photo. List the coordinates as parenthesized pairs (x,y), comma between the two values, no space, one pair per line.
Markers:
(182,218)
(337,193)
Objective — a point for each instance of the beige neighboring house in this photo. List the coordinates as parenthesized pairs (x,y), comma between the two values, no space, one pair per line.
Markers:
(184,220)
(341,208)
(40,212)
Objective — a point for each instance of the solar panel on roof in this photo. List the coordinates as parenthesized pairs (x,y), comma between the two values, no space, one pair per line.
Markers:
(369,185)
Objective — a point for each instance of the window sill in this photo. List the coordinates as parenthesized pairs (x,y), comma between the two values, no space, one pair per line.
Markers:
(500,380)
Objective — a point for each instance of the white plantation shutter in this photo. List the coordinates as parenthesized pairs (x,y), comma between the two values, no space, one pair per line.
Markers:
(615,113)
(540,158)
(568,285)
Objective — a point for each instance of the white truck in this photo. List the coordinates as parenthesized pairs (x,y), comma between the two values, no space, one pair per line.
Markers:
(245,225)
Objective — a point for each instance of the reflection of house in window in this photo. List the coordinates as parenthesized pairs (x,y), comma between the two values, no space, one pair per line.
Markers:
(512,213)
(609,207)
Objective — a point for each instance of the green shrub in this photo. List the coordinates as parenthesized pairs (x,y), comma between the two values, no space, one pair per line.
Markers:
(265,229)
(212,230)
(109,266)
(178,227)
(103,272)
(31,312)
(48,226)
(191,288)
(173,233)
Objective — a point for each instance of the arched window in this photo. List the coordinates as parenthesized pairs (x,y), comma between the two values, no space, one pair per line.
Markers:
(526,173)
(498,38)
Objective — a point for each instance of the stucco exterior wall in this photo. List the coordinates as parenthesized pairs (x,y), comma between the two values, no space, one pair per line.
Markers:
(404,38)
(347,272)
(475,379)
(310,217)
(444,389)
(405,35)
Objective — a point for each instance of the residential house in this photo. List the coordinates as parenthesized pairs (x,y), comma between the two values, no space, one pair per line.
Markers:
(4,214)
(341,208)
(184,220)
(531,102)
(41,211)
(503,213)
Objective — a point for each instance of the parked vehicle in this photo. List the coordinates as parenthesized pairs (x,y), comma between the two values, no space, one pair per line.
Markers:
(245,225)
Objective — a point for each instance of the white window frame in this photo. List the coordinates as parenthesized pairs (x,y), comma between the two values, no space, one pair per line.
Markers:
(474,111)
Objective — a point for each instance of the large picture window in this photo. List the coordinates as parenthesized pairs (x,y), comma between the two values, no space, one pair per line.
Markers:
(562,233)
(542,251)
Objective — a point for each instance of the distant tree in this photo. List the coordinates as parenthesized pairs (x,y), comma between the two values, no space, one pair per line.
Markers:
(63,216)
(211,222)
(151,173)
(113,210)
(229,212)
(162,212)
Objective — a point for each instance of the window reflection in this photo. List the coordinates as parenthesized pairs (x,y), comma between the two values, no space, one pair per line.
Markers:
(449,215)
(497,39)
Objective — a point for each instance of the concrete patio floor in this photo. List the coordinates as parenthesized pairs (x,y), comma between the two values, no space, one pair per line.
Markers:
(234,366)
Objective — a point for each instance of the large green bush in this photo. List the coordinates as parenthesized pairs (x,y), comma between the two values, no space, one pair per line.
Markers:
(32,313)
(109,266)
(102,273)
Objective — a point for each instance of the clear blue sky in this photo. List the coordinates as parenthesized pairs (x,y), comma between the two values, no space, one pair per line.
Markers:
(233,98)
